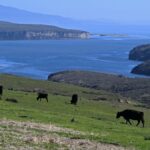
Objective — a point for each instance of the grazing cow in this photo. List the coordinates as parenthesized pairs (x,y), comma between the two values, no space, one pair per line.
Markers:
(42,95)
(131,114)
(74,99)
(1,91)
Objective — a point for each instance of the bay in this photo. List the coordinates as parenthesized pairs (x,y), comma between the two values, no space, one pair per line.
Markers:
(37,59)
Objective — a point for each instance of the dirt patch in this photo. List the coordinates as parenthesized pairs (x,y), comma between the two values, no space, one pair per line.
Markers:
(29,135)
(40,126)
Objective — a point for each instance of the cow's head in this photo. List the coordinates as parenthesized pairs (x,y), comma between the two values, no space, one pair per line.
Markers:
(118,115)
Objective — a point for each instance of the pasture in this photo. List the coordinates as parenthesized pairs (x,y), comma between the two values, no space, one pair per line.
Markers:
(94,120)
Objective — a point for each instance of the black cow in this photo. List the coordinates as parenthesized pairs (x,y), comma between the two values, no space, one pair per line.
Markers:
(1,91)
(131,114)
(42,95)
(74,99)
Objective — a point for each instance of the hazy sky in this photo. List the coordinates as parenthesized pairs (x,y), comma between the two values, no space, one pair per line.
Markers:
(133,11)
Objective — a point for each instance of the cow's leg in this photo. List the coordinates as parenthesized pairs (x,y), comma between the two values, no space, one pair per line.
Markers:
(128,120)
(138,122)
(37,98)
(143,122)
(47,99)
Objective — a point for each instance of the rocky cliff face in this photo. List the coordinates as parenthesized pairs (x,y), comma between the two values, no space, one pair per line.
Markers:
(141,53)
(11,31)
(32,35)
(55,35)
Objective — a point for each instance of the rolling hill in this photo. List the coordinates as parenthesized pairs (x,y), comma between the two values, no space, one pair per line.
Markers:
(31,124)
(134,88)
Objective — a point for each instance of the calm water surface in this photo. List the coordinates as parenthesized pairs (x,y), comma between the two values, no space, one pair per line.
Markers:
(37,59)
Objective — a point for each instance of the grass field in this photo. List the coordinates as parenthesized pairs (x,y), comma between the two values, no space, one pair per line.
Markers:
(94,119)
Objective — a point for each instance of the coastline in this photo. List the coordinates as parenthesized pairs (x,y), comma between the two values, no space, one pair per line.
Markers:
(50,56)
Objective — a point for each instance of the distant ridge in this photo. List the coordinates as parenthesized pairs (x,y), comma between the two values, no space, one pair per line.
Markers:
(13,31)
(16,15)
(10,14)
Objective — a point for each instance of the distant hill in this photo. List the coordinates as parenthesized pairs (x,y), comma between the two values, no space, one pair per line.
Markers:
(135,88)
(10,14)
(141,53)
(13,31)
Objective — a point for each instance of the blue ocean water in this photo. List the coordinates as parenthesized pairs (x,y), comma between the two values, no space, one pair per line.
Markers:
(37,59)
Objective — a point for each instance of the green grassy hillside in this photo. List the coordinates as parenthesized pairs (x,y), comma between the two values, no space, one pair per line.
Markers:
(95,119)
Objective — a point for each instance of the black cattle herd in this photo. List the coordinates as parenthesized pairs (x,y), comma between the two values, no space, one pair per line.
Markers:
(127,114)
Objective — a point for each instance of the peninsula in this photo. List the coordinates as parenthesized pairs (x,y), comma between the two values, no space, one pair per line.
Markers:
(13,31)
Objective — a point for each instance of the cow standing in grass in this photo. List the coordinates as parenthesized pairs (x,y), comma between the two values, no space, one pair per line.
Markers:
(1,91)
(74,99)
(42,95)
(133,115)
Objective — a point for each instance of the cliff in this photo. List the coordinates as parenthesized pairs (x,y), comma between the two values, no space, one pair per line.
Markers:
(141,53)
(12,31)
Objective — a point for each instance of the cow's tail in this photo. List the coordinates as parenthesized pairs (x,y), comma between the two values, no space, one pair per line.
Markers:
(142,118)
